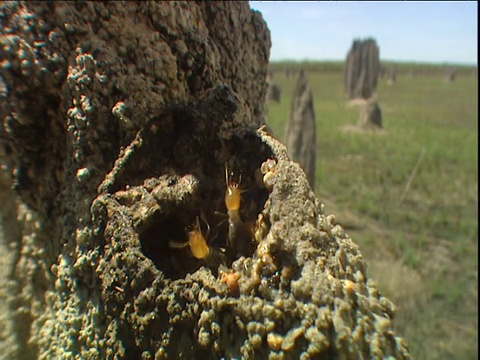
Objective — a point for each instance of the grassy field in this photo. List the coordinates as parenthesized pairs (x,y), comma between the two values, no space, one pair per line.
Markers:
(420,241)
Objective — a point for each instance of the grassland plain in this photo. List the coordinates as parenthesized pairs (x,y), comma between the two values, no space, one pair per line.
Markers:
(418,233)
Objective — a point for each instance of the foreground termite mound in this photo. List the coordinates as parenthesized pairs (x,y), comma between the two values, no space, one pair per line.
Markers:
(125,128)
(301,292)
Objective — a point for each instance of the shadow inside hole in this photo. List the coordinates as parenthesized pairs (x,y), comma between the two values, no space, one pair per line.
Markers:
(246,153)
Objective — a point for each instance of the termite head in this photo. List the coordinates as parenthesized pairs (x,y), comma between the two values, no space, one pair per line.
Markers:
(233,193)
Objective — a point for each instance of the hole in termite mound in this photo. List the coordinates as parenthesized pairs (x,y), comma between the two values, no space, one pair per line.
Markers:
(237,160)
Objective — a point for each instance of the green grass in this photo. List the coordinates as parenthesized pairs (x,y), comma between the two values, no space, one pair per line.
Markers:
(433,229)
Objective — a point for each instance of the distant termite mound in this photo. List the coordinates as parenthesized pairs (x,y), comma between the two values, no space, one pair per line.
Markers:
(362,69)
(450,74)
(370,119)
(300,132)
(273,90)
(371,115)
(288,72)
(392,75)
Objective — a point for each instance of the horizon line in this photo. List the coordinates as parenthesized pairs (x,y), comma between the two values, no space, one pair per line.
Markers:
(419,62)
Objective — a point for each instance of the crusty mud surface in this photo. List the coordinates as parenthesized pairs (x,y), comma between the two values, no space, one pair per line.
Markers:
(123,124)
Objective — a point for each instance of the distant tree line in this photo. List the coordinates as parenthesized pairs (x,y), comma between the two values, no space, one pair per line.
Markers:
(402,68)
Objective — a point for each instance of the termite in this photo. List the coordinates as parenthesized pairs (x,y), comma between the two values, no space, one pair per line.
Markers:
(196,241)
(239,234)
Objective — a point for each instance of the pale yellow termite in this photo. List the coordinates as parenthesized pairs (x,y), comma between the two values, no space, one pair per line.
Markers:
(196,241)
(239,234)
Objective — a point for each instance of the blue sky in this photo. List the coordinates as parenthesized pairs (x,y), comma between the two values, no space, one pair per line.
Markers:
(437,32)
